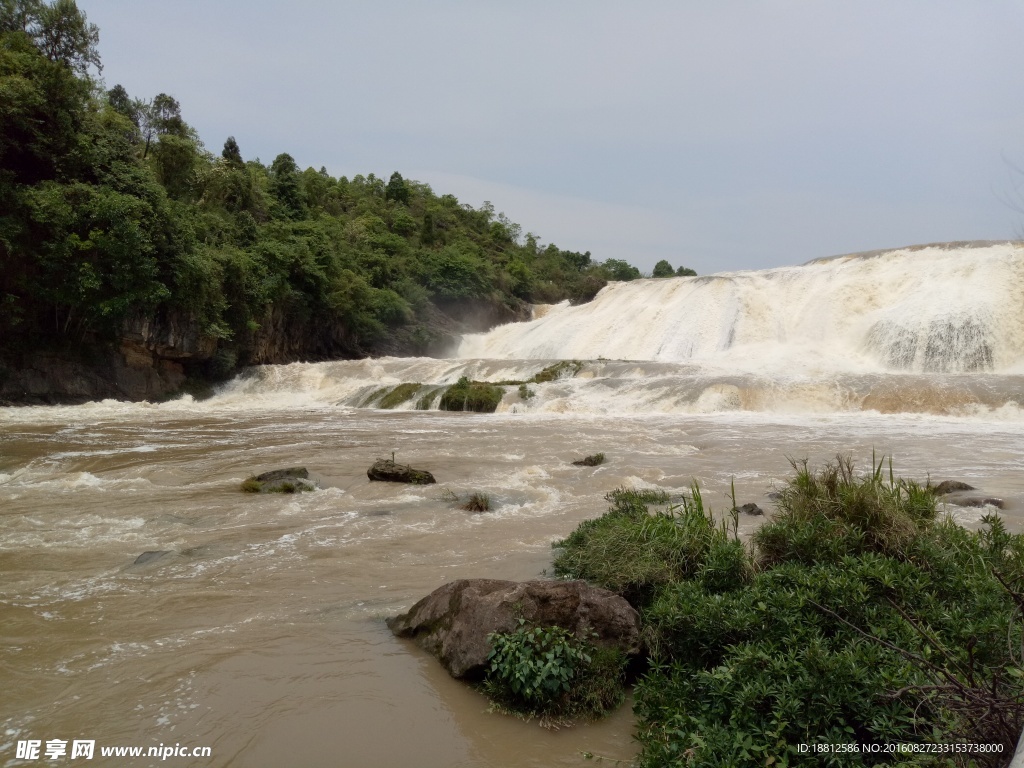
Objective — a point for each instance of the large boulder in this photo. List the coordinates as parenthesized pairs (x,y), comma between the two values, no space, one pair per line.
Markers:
(388,471)
(453,621)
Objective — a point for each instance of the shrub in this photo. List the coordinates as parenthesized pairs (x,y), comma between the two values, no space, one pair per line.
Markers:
(547,671)
(476,396)
(252,485)
(525,393)
(591,461)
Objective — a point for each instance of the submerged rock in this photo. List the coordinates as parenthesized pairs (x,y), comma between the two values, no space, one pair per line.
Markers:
(151,555)
(959,500)
(454,621)
(290,480)
(388,471)
(948,486)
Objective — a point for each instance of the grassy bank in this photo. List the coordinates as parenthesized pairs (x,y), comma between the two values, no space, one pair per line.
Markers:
(855,617)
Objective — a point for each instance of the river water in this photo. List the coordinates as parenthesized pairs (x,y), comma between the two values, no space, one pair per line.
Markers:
(260,632)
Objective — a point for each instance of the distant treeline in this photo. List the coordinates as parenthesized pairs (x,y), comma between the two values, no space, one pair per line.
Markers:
(111,208)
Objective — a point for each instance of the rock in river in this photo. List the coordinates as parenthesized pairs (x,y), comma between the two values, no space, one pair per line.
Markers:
(388,471)
(453,621)
(291,480)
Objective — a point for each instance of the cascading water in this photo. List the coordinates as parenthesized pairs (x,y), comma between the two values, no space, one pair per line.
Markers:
(934,309)
(929,330)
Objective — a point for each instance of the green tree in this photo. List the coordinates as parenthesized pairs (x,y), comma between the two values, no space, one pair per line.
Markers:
(685,272)
(59,31)
(284,186)
(662,269)
(397,189)
(232,154)
(621,270)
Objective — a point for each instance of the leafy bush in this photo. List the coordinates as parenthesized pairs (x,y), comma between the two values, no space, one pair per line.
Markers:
(547,671)
(594,460)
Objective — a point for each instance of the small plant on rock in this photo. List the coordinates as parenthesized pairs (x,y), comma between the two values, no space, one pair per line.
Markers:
(533,667)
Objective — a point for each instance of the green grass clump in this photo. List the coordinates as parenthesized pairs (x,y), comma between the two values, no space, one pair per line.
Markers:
(252,485)
(857,619)
(595,460)
(826,514)
(477,502)
(634,552)
(525,393)
(476,396)
(398,395)
(550,673)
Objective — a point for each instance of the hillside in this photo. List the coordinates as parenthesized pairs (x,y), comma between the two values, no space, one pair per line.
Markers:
(132,259)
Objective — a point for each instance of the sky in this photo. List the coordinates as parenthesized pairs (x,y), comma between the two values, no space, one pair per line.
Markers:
(715,135)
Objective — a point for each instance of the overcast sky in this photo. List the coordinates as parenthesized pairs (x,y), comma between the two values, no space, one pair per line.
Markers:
(716,135)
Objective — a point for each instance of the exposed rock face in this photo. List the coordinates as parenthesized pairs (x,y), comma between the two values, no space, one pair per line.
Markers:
(453,621)
(751,509)
(948,486)
(390,472)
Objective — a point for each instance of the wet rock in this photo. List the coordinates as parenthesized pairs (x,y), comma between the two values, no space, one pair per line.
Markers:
(974,501)
(290,480)
(388,471)
(151,555)
(751,509)
(948,486)
(453,621)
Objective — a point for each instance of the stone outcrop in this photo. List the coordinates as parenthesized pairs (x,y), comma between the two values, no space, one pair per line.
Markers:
(291,480)
(388,471)
(453,622)
(751,509)
(949,486)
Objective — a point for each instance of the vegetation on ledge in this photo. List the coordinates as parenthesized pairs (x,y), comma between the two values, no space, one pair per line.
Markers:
(855,618)
(476,396)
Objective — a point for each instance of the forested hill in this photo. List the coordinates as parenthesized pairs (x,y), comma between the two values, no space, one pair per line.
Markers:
(131,256)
